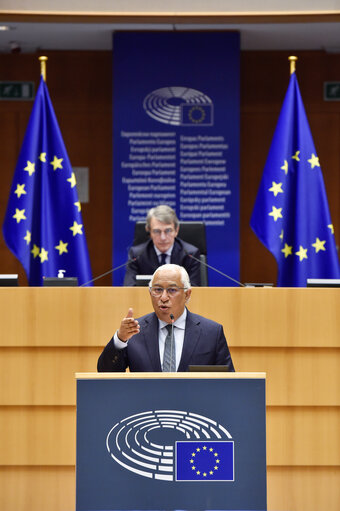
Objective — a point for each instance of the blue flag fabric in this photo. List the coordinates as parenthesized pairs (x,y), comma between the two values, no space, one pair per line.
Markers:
(43,225)
(291,215)
(205,461)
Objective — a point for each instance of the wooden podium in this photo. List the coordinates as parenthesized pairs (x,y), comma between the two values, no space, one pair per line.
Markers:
(170,441)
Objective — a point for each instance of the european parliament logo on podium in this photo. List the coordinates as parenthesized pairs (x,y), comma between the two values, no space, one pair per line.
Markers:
(148,444)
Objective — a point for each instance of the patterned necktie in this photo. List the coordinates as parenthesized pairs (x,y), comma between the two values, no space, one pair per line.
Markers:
(163,258)
(169,358)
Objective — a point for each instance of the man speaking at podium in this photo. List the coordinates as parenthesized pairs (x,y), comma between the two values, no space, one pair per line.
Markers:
(169,339)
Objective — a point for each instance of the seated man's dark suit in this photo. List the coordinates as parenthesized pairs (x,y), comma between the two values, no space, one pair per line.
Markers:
(204,343)
(147,262)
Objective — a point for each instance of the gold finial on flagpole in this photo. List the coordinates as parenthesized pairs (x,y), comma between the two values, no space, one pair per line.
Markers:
(43,61)
(292,61)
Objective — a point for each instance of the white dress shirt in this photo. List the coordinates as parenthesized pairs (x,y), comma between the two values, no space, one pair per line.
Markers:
(179,331)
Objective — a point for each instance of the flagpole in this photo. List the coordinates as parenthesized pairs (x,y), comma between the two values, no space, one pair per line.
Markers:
(43,61)
(292,61)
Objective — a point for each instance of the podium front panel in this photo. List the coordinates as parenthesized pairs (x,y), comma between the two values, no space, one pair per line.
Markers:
(171,442)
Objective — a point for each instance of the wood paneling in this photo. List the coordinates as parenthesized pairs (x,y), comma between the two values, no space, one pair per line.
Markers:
(37,488)
(303,488)
(38,435)
(89,316)
(295,377)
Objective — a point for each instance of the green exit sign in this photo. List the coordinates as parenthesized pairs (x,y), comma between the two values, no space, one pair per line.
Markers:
(16,91)
(331,91)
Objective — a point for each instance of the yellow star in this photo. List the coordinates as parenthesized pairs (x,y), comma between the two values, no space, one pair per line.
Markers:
(211,449)
(198,449)
(296,156)
(27,238)
(78,205)
(43,255)
(276,188)
(42,157)
(330,226)
(302,253)
(193,454)
(198,472)
(35,251)
(19,215)
(20,190)
(285,167)
(215,454)
(191,461)
(72,180)
(276,213)
(314,161)
(30,167)
(211,472)
(287,250)
(319,245)
(193,468)
(62,247)
(204,448)
(215,468)
(76,228)
(56,163)
(204,474)
(281,235)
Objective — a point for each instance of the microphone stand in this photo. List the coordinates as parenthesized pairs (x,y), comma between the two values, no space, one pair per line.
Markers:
(215,269)
(108,272)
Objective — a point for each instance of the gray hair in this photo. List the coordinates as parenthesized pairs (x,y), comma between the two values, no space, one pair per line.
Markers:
(175,267)
(163,214)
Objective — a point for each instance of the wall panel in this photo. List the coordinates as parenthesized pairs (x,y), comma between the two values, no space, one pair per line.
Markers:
(295,377)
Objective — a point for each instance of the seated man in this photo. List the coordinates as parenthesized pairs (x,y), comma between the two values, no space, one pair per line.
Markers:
(163,247)
(169,339)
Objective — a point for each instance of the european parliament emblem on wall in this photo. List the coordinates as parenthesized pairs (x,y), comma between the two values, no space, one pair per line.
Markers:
(173,445)
(179,106)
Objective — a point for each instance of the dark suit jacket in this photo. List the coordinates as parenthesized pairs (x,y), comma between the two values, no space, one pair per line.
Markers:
(204,343)
(147,262)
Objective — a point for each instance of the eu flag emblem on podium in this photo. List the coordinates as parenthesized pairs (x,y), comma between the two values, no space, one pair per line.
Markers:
(43,226)
(291,215)
(205,461)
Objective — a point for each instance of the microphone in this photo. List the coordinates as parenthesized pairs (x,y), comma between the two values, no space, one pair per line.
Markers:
(172,344)
(110,271)
(215,269)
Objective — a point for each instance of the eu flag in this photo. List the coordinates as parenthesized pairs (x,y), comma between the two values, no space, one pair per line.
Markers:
(205,461)
(43,225)
(291,215)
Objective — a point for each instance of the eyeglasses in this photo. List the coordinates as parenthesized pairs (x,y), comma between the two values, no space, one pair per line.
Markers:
(158,232)
(157,291)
